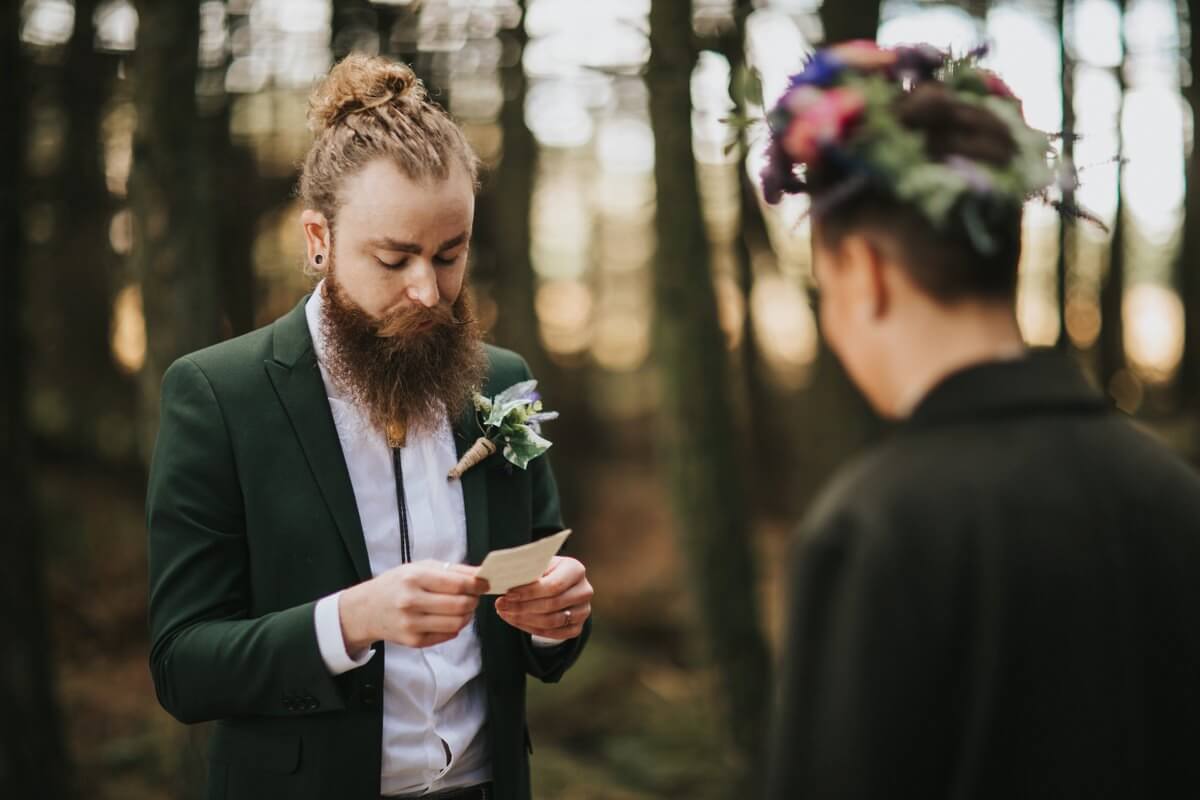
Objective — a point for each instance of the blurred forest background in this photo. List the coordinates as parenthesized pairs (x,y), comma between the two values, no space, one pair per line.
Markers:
(147,163)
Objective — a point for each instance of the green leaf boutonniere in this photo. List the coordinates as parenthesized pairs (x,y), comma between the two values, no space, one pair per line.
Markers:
(511,420)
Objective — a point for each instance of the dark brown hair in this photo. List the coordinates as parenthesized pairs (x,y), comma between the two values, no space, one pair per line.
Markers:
(947,263)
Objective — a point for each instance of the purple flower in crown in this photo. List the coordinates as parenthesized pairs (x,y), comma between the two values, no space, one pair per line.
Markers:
(779,174)
(825,66)
(919,62)
(821,69)
(976,177)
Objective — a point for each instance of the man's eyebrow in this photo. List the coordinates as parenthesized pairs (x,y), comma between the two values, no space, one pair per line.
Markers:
(455,242)
(395,245)
(388,243)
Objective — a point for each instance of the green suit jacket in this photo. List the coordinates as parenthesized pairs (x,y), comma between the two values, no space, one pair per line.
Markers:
(252,519)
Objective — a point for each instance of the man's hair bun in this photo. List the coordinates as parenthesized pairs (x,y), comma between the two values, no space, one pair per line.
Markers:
(367,108)
(360,83)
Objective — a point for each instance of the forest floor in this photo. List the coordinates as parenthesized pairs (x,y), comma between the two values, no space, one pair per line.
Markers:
(635,718)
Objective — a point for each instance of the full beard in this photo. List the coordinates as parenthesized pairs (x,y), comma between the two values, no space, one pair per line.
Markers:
(412,367)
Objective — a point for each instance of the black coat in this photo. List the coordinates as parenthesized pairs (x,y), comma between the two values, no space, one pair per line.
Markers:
(1002,601)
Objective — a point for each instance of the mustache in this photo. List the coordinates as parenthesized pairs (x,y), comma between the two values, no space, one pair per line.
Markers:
(414,319)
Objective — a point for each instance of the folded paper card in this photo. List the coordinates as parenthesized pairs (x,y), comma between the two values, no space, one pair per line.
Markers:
(517,566)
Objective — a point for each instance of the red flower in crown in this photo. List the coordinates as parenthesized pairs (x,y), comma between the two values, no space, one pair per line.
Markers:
(824,121)
(996,85)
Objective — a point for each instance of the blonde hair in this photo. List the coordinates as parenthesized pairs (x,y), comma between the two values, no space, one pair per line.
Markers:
(368,107)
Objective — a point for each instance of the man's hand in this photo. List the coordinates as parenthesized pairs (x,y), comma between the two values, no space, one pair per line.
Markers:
(555,605)
(416,605)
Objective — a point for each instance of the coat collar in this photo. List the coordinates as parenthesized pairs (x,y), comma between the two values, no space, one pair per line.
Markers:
(297,379)
(1044,381)
(292,339)
(474,481)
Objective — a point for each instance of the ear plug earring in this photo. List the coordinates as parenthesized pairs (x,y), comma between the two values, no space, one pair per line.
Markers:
(318,259)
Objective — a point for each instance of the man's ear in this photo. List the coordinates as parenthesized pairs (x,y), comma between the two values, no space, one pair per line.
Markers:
(317,239)
(864,268)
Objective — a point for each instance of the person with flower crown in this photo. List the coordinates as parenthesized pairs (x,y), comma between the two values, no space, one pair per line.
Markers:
(1001,600)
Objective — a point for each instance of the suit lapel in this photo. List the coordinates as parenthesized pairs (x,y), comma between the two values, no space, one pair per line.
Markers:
(298,383)
(474,488)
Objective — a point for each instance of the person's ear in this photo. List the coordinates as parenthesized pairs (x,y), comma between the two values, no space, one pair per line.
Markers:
(317,238)
(864,268)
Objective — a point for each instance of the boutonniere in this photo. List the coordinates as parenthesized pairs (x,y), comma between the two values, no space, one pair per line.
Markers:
(511,420)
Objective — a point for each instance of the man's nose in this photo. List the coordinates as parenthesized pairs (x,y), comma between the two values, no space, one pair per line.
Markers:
(423,289)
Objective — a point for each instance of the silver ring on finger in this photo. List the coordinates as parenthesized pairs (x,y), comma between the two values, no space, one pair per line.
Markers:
(567,614)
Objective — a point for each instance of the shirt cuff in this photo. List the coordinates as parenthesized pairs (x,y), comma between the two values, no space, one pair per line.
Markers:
(545,641)
(330,641)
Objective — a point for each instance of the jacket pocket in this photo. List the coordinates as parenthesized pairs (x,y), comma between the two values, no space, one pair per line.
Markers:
(248,746)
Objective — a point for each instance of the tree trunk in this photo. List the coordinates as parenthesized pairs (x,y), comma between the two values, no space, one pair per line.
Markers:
(849,19)
(1189,258)
(1112,293)
(176,244)
(698,441)
(32,757)
(354,26)
(240,208)
(80,279)
(400,38)
(767,466)
(1066,228)
(170,193)
(1112,330)
(507,201)
(241,197)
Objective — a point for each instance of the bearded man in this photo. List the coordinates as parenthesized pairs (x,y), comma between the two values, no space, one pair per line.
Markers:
(310,578)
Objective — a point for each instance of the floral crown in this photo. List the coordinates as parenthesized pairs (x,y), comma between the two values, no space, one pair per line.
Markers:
(838,116)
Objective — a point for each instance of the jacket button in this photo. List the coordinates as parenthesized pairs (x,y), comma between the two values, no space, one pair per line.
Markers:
(369,695)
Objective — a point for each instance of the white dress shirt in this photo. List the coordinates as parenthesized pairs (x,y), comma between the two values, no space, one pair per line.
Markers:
(434,701)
